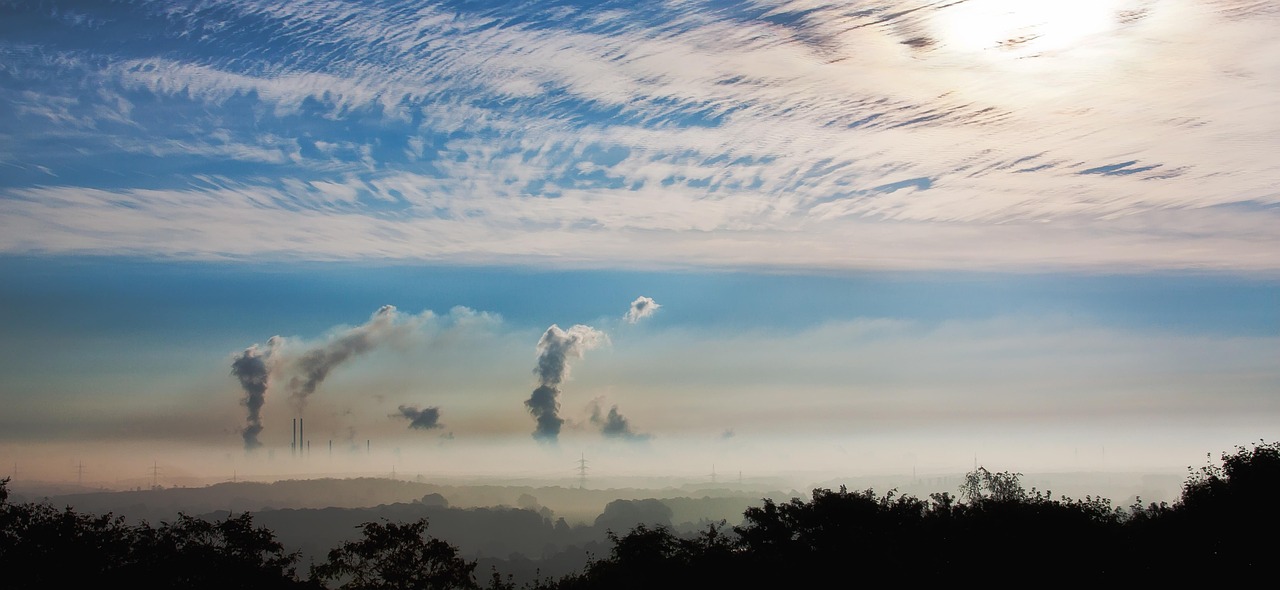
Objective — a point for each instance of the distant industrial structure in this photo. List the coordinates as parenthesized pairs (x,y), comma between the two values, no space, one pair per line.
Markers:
(297,447)
(300,446)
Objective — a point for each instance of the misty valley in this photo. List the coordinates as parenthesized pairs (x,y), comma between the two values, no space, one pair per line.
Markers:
(522,530)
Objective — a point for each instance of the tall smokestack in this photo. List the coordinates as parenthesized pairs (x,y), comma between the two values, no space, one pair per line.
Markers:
(300,437)
(293,446)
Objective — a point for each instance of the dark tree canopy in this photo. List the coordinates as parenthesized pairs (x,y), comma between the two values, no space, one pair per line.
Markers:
(396,556)
(44,547)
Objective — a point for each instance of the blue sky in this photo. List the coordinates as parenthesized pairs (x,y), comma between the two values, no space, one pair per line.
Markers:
(878,233)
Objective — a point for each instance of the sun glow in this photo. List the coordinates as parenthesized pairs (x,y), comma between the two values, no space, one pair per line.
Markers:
(1022,28)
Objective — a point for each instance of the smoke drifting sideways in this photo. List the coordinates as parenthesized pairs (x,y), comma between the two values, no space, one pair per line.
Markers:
(424,419)
(641,308)
(315,364)
(555,348)
(257,371)
(614,424)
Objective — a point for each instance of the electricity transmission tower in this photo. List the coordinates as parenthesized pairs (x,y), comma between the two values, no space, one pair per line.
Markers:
(582,472)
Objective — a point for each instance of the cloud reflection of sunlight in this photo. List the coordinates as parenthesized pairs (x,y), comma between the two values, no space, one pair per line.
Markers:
(1017,28)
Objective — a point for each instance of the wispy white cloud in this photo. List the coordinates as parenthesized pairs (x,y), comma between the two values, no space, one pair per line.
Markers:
(875,135)
(318,221)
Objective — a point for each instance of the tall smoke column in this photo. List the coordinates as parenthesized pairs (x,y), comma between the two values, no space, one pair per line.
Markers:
(315,364)
(554,350)
(251,369)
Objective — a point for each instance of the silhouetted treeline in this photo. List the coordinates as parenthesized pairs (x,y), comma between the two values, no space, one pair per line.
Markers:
(993,531)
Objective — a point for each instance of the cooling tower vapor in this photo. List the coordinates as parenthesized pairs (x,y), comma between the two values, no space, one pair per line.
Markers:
(251,368)
(641,308)
(315,364)
(555,348)
(424,419)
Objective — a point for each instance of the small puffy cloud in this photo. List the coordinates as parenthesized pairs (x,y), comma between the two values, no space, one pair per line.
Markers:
(641,308)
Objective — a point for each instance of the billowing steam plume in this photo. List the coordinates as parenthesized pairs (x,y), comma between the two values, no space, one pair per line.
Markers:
(614,424)
(554,350)
(424,419)
(641,308)
(251,369)
(316,363)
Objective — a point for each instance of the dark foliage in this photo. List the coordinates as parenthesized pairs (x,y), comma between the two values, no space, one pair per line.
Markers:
(1227,520)
(44,547)
(1222,531)
(394,556)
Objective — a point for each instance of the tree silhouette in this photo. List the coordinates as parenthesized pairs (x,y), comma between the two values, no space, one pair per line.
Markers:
(981,484)
(38,542)
(1227,517)
(195,553)
(396,556)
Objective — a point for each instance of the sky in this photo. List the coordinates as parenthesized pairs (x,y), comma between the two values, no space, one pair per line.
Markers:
(680,238)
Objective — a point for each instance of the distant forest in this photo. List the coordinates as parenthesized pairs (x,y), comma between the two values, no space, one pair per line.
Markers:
(991,531)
